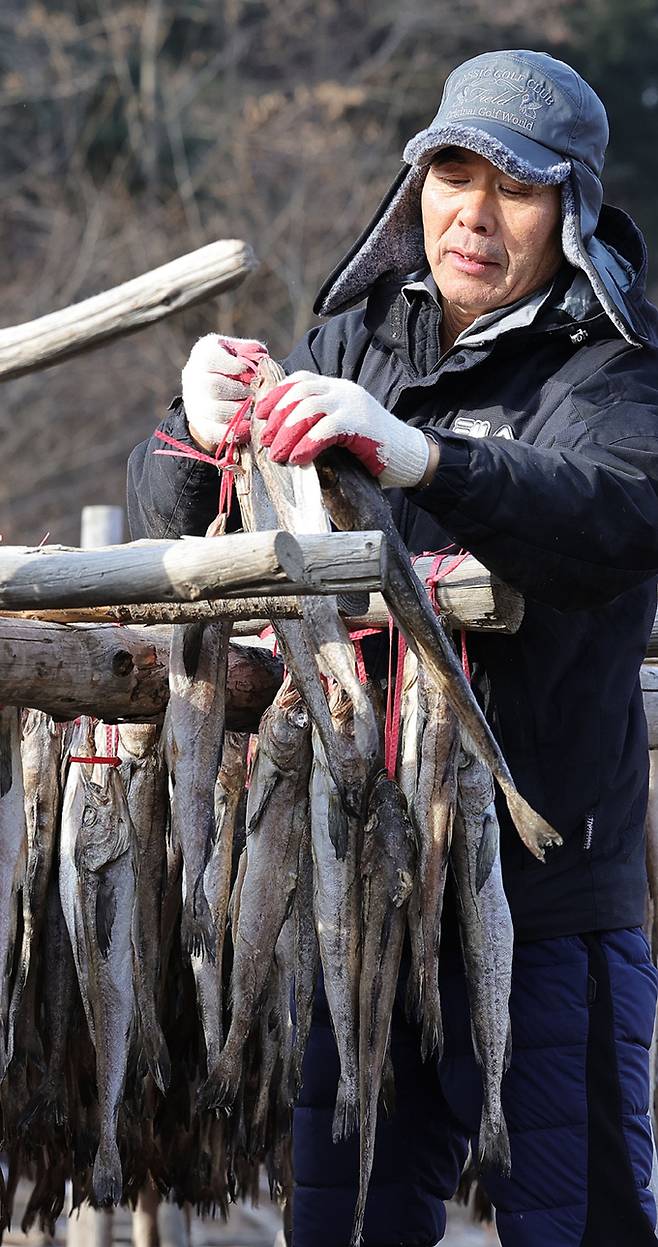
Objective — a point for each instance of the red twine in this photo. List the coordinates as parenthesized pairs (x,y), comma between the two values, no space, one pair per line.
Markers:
(226,465)
(111,745)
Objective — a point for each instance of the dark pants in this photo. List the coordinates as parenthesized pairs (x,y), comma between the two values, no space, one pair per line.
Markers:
(576,1100)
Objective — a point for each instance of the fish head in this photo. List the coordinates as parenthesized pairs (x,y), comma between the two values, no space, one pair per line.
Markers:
(105,825)
(285,727)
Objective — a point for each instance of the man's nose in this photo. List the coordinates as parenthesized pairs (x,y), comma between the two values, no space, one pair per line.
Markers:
(477,213)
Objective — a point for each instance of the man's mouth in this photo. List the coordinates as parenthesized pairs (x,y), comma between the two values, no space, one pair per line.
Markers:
(469,263)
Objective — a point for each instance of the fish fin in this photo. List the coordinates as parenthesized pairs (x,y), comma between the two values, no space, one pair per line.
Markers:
(107,1179)
(198,936)
(106,912)
(413,997)
(388,1082)
(476,1051)
(487,851)
(157,1057)
(192,642)
(220,1088)
(266,792)
(494,1151)
(45,1113)
(346,1112)
(508,1048)
(337,825)
(432,1036)
(359,1217)
(6,767)
(535,832)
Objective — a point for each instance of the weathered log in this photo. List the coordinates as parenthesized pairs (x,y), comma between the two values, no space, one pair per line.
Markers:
(117,673)
(468,596)
(126,308)
(186,570)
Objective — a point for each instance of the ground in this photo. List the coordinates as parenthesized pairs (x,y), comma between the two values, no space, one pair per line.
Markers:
(247,1228)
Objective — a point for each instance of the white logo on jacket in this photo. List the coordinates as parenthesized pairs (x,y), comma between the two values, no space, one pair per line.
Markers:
(481,428)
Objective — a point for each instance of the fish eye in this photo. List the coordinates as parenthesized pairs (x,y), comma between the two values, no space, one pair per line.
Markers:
(89,816)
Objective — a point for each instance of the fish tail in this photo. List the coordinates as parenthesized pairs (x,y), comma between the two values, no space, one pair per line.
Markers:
(46,1113)
(494,1150)
(220,1088)
(107,1179)
(157,1059)
(198,936)
(359,1217)
(431,1043)
(535,832)
(346,1112)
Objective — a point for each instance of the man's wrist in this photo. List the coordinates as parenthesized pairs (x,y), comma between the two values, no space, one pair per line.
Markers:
(432,463)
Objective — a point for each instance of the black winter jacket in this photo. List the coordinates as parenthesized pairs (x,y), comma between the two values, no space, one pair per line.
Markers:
(558,495)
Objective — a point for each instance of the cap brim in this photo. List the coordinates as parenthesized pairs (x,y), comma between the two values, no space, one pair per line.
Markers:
(516,154)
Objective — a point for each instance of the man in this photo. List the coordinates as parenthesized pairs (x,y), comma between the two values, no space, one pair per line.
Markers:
(501,380)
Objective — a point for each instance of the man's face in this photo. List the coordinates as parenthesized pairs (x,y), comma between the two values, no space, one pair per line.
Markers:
(489,239)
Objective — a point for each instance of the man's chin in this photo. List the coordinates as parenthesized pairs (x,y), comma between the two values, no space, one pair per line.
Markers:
(475,295)
(472,303)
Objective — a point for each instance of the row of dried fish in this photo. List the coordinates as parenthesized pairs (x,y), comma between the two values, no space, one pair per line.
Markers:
(138,1038)
(162,914)
(109,1027)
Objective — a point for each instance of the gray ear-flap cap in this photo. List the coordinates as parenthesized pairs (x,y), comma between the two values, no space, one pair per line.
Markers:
(536,119)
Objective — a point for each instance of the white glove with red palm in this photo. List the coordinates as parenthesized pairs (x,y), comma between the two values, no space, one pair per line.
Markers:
(307,413)
(216,382)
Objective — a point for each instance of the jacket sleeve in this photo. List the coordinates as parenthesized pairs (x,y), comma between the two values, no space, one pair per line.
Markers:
(166,496)
(571,523)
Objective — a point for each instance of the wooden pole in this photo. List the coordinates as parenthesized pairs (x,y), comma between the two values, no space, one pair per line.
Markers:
(271,562)
(468,596)
(117,673)
(101,526)
(124,309)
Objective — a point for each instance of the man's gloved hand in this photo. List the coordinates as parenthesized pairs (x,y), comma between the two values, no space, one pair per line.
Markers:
(216,382)
(307,413)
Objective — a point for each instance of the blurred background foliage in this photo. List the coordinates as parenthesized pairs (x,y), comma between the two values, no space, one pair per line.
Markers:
(136,130)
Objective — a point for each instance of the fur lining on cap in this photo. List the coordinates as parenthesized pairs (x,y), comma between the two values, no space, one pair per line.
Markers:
(424,145)
(576,253)
(394,244)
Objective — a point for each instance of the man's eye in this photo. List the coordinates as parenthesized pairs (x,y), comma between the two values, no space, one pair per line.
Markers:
(516,192)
